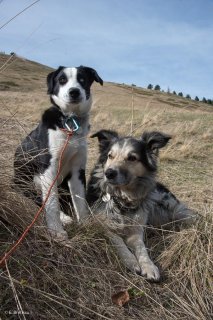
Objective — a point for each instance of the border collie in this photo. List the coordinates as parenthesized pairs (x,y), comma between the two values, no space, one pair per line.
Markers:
(123,186)
(36,158)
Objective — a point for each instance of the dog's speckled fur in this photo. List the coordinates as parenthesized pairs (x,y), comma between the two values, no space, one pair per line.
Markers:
(123,186)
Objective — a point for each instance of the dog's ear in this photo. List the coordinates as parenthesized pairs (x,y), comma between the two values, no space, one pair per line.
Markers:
(51,79)
(105,137)
(92,74)
(155,140)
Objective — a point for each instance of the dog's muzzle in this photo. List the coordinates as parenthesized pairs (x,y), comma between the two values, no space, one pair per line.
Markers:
(116,176)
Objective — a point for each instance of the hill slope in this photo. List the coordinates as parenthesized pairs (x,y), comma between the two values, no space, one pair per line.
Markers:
(55,282)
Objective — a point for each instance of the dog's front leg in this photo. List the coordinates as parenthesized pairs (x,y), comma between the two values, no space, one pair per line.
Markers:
(134,240)
(77,186)
(127,258)
(52,207)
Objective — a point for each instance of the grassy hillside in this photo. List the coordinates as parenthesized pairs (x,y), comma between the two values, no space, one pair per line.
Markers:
(77,282)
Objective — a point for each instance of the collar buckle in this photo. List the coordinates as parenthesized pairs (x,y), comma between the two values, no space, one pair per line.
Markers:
(71,124)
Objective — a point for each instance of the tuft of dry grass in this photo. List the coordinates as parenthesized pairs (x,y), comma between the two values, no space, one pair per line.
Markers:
(46,280)
(189,262)
(52,281)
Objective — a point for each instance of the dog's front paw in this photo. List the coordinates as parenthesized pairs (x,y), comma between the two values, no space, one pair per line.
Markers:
(58,236)
(150,271)
(134,267)
(65,219)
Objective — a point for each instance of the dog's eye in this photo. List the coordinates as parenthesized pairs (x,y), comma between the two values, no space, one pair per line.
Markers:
(62,80)
(110,156)
(132,158)
(82,80)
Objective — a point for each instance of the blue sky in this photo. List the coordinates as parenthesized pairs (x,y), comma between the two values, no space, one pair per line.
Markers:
(166,42)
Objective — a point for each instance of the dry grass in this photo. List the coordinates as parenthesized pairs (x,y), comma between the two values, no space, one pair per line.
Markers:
(50,281)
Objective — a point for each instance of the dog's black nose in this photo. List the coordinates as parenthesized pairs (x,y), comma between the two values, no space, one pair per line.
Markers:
(74,93)
(111,173)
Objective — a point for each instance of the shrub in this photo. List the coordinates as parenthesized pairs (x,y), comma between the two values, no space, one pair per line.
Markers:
(150,86)
(157,87)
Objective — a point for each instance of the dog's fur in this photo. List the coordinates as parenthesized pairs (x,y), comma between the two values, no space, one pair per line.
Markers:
(124,187)
(36,159)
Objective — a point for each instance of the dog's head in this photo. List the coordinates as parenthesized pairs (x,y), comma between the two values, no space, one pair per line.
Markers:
(69,88)
(126,160)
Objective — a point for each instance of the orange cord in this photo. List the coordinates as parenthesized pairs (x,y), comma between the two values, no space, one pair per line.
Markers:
(13,248)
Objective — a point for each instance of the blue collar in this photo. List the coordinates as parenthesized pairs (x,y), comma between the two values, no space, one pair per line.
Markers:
(71,123)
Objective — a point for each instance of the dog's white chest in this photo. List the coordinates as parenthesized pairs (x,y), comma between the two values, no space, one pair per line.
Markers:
(57,140)
(75,148)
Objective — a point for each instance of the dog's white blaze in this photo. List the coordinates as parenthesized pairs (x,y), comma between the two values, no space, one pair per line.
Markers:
(72,82)
(121,152)
(126,149)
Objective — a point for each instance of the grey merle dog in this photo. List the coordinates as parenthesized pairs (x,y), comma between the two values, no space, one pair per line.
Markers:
(36,158)
(123,186)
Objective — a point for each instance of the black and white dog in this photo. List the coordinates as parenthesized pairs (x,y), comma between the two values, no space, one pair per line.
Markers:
(123,186)
(36,159)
